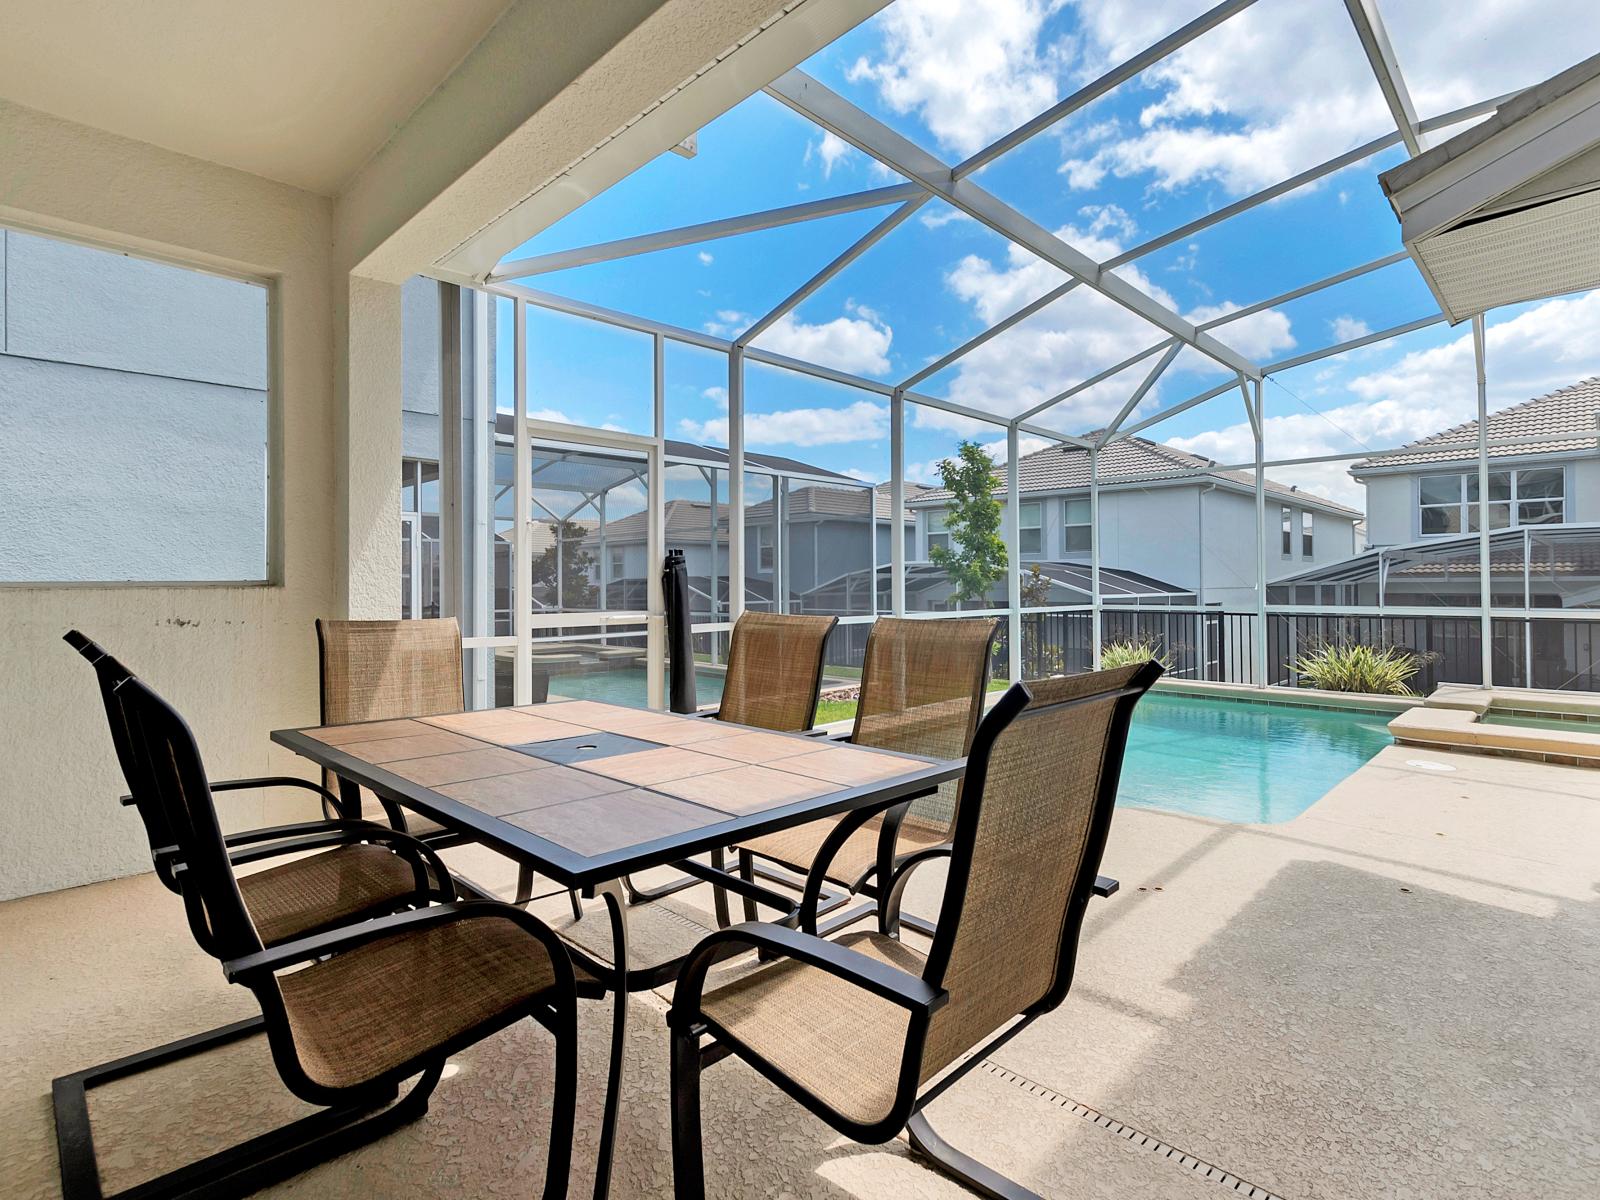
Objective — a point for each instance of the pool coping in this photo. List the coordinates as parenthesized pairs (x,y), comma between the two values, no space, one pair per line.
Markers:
(1290,697)
(1452,719)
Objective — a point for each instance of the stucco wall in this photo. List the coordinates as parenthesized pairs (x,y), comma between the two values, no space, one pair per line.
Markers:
(238,661)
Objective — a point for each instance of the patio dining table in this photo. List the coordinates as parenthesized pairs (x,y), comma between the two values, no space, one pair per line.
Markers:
(588,793)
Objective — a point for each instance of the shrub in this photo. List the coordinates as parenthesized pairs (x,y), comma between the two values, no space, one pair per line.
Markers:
(1383,670)
(1125,654)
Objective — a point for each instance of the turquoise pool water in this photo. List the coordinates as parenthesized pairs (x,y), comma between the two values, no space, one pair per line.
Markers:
(1241,761)
(626,685)
(1226,759)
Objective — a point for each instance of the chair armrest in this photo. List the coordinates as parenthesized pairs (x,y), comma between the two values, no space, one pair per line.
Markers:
(1104,885)
(878,978)
(889,907)
(272,781)
(300,828)
(351,937)
(702,714)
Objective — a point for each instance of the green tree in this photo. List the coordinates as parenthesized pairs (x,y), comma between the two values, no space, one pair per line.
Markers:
(561,571)
(976,556)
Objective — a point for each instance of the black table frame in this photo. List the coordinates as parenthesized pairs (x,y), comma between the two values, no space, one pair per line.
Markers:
(602,874)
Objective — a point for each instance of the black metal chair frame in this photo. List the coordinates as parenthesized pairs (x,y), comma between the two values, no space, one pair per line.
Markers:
(200,871)
(698,1041)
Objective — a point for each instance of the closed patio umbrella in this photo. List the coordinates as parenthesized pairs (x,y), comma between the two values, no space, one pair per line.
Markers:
(680,638)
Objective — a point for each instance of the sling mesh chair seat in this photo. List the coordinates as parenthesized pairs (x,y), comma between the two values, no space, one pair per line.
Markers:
(340,870)
(865,1031)
(352,1013)
(922,690)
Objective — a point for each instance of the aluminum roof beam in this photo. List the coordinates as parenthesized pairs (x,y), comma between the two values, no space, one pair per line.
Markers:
(872,237)
(1091,92)
(832,112)
(1099,377)
(1380,54)
(1139,394)
(707,231)
(1022,314)
(1377,264)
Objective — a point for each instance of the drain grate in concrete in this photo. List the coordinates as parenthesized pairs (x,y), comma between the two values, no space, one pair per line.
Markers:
(1240,1187)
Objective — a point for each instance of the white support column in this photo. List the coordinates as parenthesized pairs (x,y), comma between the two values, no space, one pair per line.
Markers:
(897,504)
(1095,631)
(659,401)
(522,491)
(1258,427)
(655,642)
(481,623)
(1013,536)
(735,483)
(1485,588)
(368,429)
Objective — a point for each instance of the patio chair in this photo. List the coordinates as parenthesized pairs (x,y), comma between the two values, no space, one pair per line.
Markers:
(382,670)
(774,671)
(866,1031)
(350,1014)
(773,679)
(360,868)
(922,690)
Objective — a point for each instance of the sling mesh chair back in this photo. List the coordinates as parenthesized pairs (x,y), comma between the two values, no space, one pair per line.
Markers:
(775,670)
(381,670)
(352,1013)
(361,869)
(863,1030)
(922,689)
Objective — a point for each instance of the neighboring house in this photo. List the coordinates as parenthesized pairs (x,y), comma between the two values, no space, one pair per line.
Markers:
(1422,513)
(821,551)
(1162,540)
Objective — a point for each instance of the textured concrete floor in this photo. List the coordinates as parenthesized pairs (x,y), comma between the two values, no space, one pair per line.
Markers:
(1394,995)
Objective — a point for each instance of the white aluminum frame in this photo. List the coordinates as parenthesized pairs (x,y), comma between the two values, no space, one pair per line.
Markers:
(928,177)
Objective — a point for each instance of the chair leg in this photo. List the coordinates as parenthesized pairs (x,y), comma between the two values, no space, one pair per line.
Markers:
(524,884)
(985,1181)
(563,1100)
(241,1169)
(719,896)
(688,1153)
(747,871)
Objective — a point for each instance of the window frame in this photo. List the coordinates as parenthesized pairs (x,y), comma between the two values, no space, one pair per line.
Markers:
(1037,528)
(942,515)
(1308,531)
(1068,525)
(1286,525)
(1466,506)
(272,511)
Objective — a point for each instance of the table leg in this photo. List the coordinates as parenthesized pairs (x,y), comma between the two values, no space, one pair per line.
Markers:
(617,910)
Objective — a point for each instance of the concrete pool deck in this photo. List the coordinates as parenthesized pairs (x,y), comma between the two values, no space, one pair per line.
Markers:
(1391,995)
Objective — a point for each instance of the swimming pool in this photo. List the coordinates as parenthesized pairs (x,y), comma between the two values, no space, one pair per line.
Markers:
(1231,760)
(1235,760)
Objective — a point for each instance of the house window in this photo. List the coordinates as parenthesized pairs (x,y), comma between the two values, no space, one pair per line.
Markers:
(1287,521)
(1030,530)
(938,530)
(616,564)
(1448,504)
(420,548)
(134,419)
(1306,534)
(1079,525)
(764,554)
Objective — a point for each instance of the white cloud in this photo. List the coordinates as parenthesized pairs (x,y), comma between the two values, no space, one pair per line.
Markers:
(972,72)
(705,258)
(830,151)
(942,217)
(1258,336)
(858,341)
(1541,349)
(1077,336)
(864,476)
(1348,329)
(863,421)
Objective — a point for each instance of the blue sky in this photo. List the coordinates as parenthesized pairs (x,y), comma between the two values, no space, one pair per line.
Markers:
(1238,109)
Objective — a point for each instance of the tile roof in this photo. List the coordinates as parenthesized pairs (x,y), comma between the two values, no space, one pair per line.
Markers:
(1066,468)
(1572,409)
